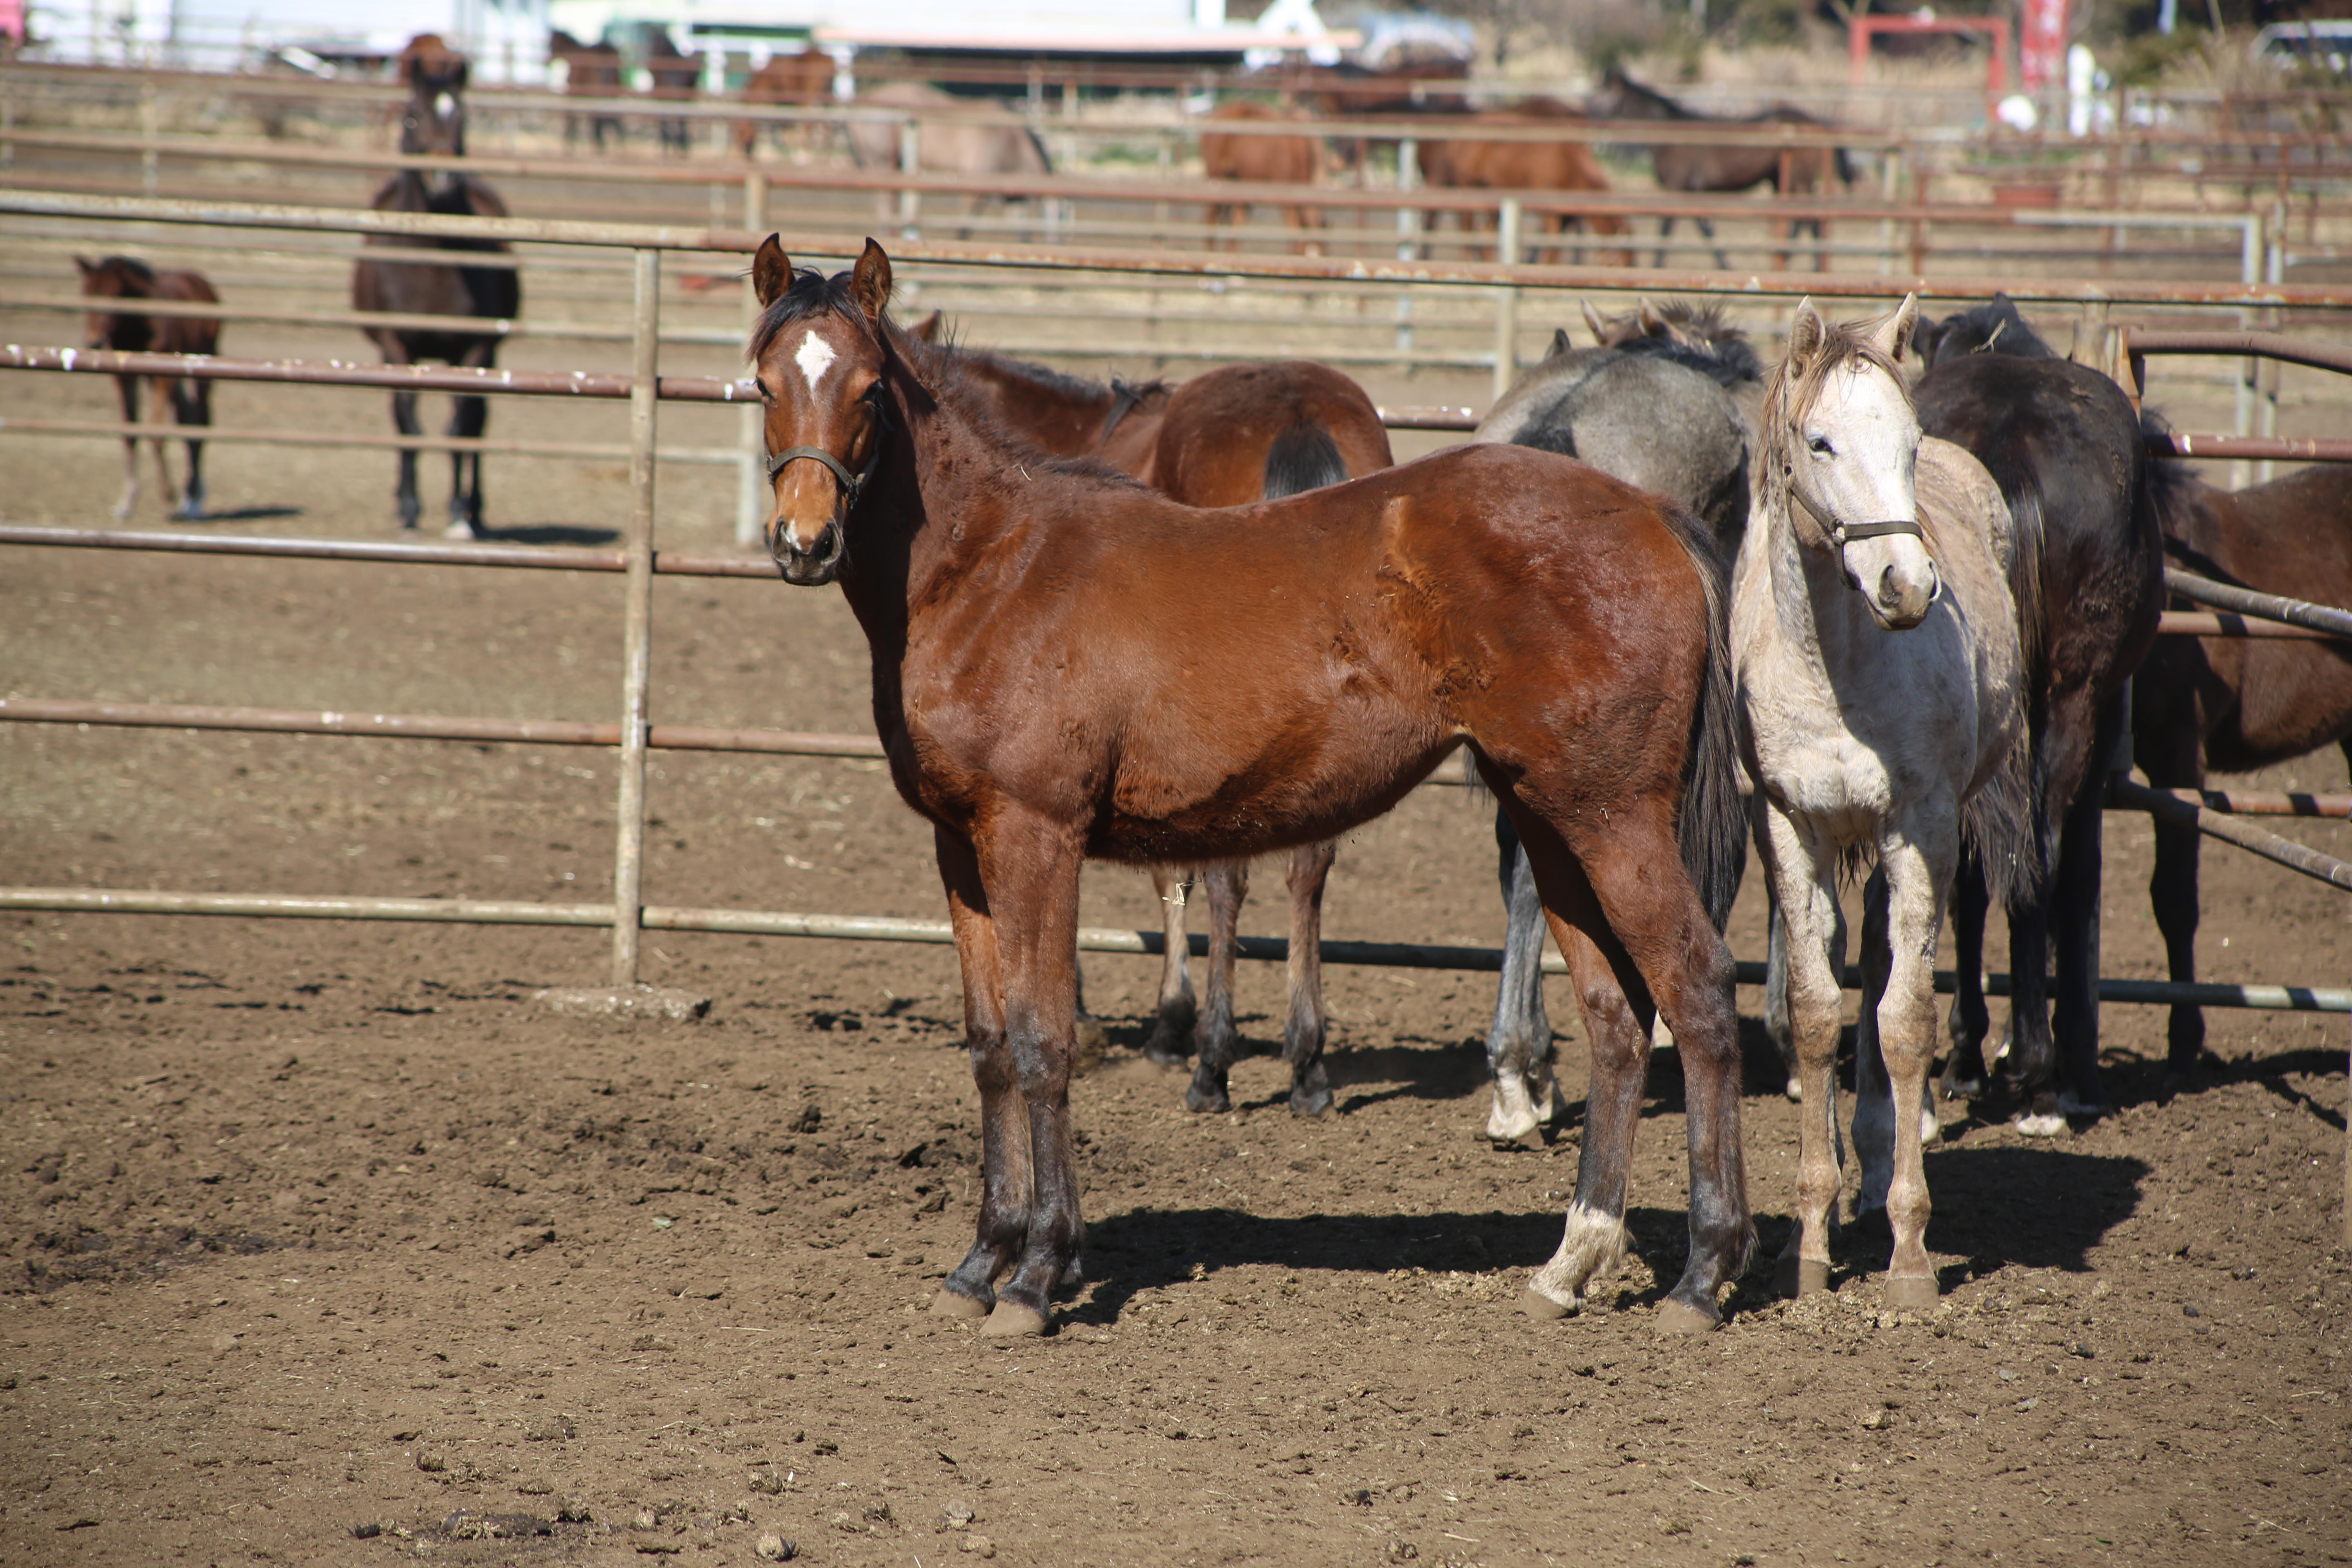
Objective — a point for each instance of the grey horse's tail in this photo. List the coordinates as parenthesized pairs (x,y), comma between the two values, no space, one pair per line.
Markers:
(1713,829)
(2007,825)
(1044,159)
(1303,458)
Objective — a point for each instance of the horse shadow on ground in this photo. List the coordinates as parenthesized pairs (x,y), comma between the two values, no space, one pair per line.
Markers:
(549,533)
(251,514)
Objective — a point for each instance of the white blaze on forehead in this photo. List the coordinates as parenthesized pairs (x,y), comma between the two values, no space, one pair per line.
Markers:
(444,105)
(815,357)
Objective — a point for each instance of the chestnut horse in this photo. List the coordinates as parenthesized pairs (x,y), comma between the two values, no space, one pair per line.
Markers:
(1070,665)
(1229,436)
(1525,166)
(1282,160)
(2229,704)
(434,121)
(801,79)
(2069,454)
(131,331)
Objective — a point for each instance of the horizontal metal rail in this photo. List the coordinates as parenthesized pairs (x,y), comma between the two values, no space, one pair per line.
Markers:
(528,557)
(2185,810)
(2248,602)
(473,326)
(501,446)
(2266,802)
(431,727)
(2204,624)
(1178,264)
(2138,342)
(1091,939)
(2272,448)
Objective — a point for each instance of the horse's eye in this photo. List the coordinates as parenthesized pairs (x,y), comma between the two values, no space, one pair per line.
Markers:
(1819,446)
(762,382)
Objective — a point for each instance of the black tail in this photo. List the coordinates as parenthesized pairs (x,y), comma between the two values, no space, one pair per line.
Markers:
(1303,458)
(1713,828)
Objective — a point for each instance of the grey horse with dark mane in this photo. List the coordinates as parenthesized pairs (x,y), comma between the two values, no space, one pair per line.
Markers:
(1664,401)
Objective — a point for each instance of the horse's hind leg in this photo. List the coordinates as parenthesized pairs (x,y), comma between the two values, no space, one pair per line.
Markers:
(1776,995)
(2172,889)
(1303,1034)
(404,419)
(1520,1049)
(1171,1030)
(1969,1021)
(1665,233)
(192,399)
(2074,899)
(1706,227)
(1004,1132)
(469,419)
(126,388)
(1215,1040)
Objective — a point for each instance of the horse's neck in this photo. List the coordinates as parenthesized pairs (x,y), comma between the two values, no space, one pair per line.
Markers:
(1066,418)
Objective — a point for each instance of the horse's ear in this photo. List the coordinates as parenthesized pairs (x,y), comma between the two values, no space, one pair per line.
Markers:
(1654,325)
(771,271)
(1892,338)
(1560,343)
(458,77)
(88,268)
(929,328)
(1593,323)
(869,281)
(1806,330)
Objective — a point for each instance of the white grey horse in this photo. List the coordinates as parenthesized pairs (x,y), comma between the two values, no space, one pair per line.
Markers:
(983,137)
(1876,646)
(1657,401)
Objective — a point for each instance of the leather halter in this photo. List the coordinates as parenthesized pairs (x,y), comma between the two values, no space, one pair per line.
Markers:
(1841,534)
(849,483)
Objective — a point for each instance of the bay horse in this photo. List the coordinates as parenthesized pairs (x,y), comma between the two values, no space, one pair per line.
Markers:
(1653,404)
(1874,640)
(126,278)
(677,76)
(1228,437)
(2230,704)
(1733,166)
(1067,665)
(2070,456)
(1468,165)
(434,121)
(1280,160)
(589,70)
(801,80)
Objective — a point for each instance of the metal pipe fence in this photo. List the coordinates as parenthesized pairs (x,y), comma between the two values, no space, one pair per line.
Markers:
(644,388)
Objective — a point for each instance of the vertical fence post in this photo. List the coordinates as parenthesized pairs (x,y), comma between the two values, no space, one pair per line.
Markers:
(1408,223)
(751,494)
(1506,297)
(911,162)
(1890,189)
(2250,272)
(636,626)
(2273,271)
(148,120)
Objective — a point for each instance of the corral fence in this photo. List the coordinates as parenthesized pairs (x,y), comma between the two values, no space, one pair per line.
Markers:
(638,562)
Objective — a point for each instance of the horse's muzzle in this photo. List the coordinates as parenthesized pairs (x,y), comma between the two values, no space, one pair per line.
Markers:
(1898,605)
(810,568)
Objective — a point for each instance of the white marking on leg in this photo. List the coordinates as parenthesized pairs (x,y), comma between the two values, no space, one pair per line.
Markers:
(1592,1244)
(815,357)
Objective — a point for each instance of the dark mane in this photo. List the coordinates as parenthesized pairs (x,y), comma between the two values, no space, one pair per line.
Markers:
(129,266)
(811,294)
(1728,357)
(1993,327)
(944,372)
(1616,78)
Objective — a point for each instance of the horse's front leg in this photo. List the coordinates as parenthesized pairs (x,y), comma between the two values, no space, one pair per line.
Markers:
(1803,869)
(2074,927)
(404,419)
(1029,865)
(1006,1198)
(1303,1034)
(1217,1042)
(1519,1049)
(193,401)
(1913,873)
(1171,1030)
(126,388)
(1969,1021)
(469,418)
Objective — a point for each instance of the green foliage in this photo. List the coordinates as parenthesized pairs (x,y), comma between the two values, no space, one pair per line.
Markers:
(2145,59)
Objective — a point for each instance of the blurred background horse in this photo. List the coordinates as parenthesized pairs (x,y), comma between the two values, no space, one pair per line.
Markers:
(131,331)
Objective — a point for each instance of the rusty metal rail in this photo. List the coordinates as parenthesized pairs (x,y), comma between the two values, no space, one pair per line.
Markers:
(2324,618)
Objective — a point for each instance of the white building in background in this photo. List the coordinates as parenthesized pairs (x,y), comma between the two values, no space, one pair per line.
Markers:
(507,38)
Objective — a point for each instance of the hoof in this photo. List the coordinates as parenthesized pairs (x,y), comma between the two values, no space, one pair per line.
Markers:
(1910,1293)
(2040,1124)
(1795,1091)
(1214,1103)
(1799,1276)
(1537,1305)
(1091,1035)
(1681,1317)
(460,531)
(1012,1321)
(949,1304)
(1313,1102)
(1166,1055)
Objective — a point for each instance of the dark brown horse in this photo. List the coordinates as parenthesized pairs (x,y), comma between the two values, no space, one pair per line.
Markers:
(2068,453)
(1736,166)
(1281,160)
(434,123)
(801,79)
(677,76)
(1231,436)
(2229,704)
(1563,165)
(1070,666)
(131,331)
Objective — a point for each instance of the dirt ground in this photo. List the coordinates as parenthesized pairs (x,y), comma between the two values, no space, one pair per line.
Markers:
(324,1242)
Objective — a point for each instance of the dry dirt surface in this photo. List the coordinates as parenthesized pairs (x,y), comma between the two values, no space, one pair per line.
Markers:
(324,1243)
